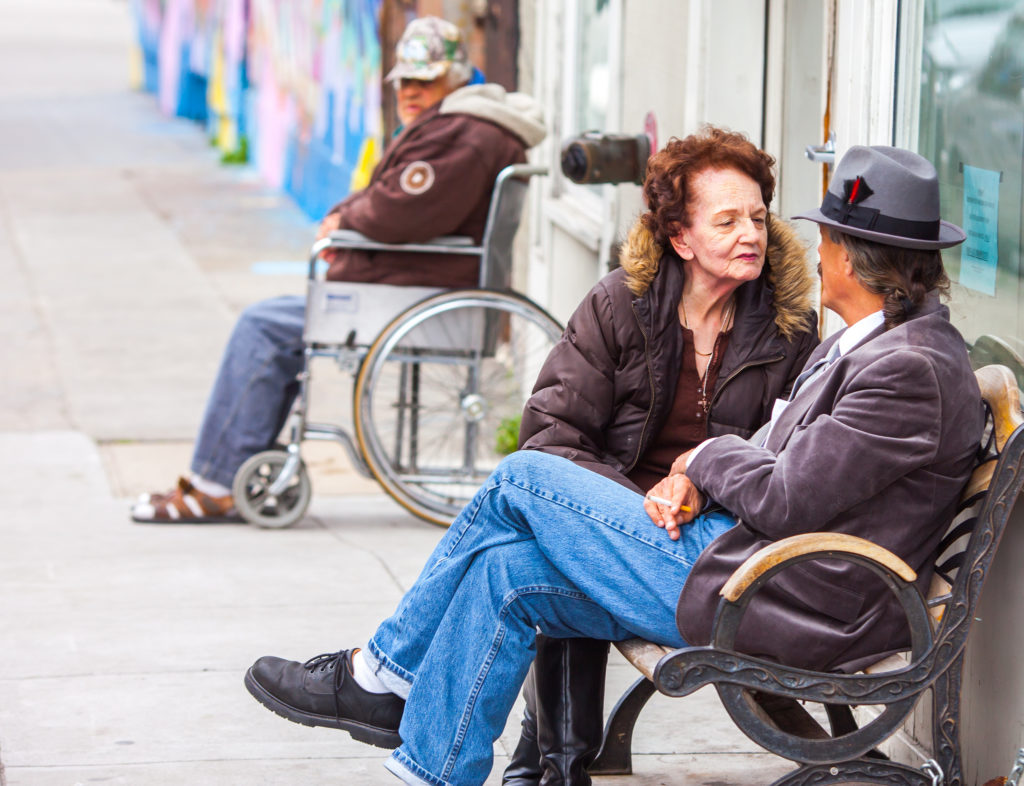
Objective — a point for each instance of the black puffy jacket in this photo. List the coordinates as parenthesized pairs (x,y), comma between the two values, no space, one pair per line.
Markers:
(607,386)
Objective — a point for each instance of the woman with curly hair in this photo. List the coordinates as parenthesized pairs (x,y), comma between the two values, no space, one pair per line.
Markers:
(705,324)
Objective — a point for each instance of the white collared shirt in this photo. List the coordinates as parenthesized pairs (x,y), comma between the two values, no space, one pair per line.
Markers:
(859,330)
(852,337)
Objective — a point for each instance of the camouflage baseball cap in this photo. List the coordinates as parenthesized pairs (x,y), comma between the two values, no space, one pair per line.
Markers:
(428,48)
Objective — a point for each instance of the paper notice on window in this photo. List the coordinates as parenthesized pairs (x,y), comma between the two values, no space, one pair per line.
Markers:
(980,253)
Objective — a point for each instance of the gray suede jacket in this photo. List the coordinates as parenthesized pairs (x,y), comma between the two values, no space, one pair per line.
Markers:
(880,446)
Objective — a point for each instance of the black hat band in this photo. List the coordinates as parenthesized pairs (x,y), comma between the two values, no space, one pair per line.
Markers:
(871,219)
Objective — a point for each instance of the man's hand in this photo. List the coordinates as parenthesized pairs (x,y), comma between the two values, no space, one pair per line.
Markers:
(681,493)
(679,465)
(331,222)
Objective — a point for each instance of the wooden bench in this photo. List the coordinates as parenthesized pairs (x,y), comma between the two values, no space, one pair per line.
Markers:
(768,700)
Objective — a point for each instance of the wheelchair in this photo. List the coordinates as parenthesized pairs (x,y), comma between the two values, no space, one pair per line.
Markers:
(440,376)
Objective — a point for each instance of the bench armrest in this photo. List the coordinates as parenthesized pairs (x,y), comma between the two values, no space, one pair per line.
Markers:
(685,670)
(823,544)
(747,580)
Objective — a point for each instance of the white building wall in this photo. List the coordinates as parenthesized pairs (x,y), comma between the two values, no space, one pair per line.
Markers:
(686,62)
(690,63)
(565,233)
(993,693)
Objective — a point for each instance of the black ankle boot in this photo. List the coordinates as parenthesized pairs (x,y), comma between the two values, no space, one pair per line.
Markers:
(569,684)
(524,767)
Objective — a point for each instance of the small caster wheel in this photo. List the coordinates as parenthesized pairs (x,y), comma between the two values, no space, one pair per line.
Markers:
(253,499)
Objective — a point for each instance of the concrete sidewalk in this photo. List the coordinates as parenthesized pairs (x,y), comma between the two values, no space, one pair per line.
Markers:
(126,251)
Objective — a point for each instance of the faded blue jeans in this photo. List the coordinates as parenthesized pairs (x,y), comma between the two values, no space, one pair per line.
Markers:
(544,545)
(254,389)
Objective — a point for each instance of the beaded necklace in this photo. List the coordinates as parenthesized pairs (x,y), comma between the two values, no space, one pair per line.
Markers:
(704,405)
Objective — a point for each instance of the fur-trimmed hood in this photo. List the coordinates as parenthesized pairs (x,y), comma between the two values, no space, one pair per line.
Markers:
(786,260)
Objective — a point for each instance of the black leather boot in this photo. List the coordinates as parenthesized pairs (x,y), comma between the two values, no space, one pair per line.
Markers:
(569,684)
(524,767)
(570,707)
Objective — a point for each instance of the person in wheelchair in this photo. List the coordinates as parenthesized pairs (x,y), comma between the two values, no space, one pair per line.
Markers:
(435,178)
(877,439)
(685,340)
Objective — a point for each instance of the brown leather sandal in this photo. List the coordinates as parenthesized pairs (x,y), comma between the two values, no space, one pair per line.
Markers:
(185,504)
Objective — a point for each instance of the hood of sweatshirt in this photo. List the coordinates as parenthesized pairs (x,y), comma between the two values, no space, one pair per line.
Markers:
(517,112)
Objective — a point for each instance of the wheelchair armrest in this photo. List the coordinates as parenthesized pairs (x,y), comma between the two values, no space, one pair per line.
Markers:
(819,543)
(349,238)
(451,244)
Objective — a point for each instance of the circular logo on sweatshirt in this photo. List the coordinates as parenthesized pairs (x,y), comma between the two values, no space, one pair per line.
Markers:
(417,178)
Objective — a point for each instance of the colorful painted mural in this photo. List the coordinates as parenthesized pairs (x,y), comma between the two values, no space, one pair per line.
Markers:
(291,85)
(148,15)
(315,68)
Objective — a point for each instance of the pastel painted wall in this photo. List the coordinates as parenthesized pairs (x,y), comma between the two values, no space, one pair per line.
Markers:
(227,83)
(148,16)
(293,86)
(315,68)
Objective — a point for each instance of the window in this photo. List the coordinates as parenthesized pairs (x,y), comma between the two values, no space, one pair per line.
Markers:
(589,66)
(590,98)
(970,124)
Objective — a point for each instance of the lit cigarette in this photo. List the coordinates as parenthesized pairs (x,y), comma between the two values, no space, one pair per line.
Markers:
(666,502)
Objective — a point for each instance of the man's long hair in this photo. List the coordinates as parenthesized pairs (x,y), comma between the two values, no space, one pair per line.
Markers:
(905,276)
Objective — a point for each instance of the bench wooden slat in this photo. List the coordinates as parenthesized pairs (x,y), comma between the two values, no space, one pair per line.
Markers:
(980,479)
(644,655)
(999,388)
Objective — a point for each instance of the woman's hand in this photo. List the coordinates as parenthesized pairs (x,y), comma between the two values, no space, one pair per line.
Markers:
(685,503)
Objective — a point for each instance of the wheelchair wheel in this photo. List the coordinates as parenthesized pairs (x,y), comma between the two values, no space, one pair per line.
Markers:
(254,500)
(440,395)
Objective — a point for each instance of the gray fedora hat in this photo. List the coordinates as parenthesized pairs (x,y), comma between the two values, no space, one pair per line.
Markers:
(888,195)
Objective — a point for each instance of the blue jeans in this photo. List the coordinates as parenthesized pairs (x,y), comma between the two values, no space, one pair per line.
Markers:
(255,387)
(544,545)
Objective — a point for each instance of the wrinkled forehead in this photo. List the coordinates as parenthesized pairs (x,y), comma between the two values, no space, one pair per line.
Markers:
(717,190)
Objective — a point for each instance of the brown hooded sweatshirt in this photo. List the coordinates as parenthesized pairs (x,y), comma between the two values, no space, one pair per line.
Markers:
(436,179)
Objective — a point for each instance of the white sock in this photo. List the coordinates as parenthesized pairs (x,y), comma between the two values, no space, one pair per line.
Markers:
(208,487)
(364,676)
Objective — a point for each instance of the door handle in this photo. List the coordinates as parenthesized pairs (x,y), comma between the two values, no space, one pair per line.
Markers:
(823,154)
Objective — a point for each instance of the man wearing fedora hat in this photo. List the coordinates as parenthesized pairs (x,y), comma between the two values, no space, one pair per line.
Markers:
(876,440)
